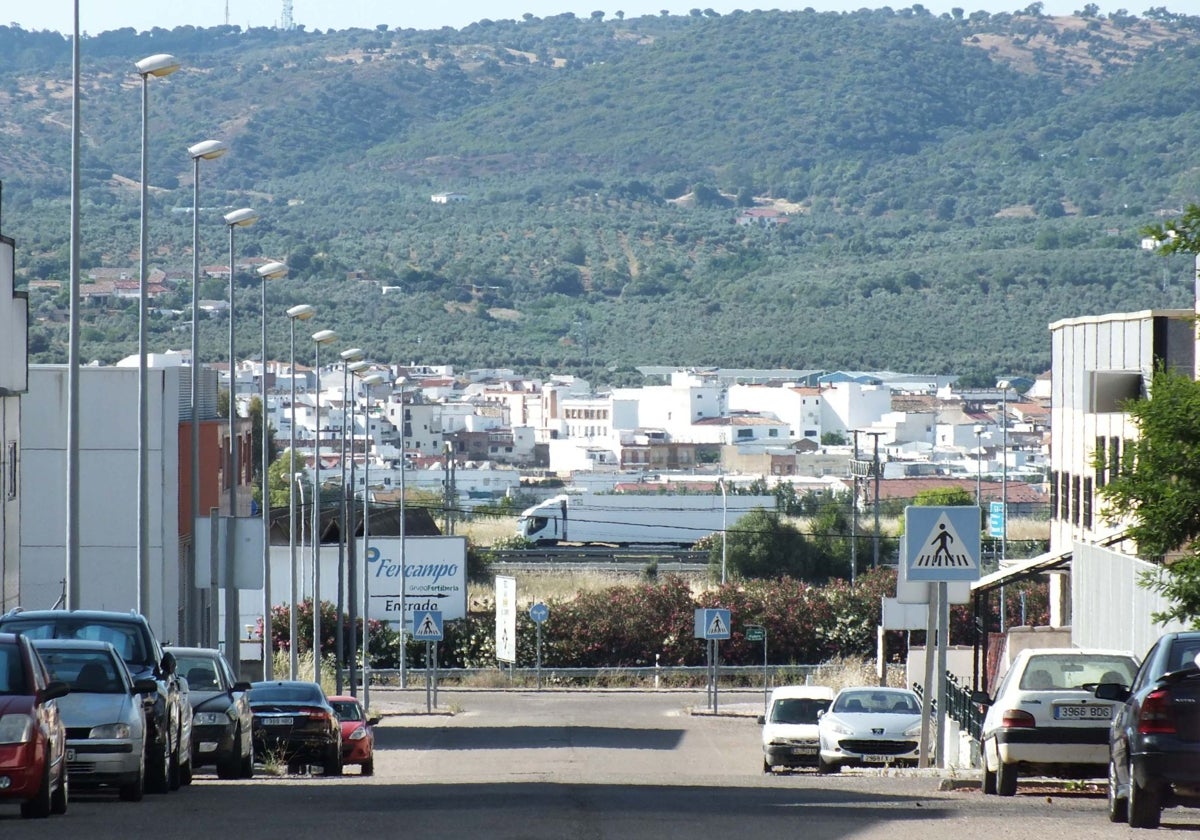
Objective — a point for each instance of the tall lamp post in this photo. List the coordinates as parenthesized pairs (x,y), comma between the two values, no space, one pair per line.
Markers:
(352,354)
(1004,385)
(320,337)
(370,381)
(204,150)
(724,527)
(402,381)
(978,465)
(358,368)
(238,218)
(299,312)
(156,66)
(269,271)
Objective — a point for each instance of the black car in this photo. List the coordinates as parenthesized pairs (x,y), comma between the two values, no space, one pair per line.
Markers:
(221,720)
(294,722)
(1154,742)
(168,755)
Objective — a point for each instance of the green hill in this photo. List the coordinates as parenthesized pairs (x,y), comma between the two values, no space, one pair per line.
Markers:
(947,185)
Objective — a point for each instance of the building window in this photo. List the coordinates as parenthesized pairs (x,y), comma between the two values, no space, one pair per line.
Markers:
(10,470)
(1054,510)
(1087,502)
(1076,508)
(773,433)
(745,434)
(1101,458)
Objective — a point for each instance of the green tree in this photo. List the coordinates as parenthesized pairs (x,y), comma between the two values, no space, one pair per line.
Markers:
(1157,485)
(762,545)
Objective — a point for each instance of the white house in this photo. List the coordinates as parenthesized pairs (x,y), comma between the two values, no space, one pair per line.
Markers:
(799,407)
(14,381)
(851,405)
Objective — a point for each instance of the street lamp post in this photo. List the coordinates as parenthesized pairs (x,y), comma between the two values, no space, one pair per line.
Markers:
(204,150)
(299,312)
(356,368)
(320,337)
(370,381)
(403,558)
(270,271)
(1004,385)
(238,218)
(978,466)
(724,528)
(156,66)
(352,354)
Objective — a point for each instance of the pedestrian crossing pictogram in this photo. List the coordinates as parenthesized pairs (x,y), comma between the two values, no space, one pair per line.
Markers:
(942,543)
(427,626)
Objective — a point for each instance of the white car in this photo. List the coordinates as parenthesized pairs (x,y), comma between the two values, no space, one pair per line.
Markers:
(1045,719)
(868,726)
(789,728)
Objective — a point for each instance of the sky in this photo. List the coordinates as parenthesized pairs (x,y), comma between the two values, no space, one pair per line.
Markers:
(97,16)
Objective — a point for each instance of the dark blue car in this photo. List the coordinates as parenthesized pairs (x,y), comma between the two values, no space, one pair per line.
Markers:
(1154,742)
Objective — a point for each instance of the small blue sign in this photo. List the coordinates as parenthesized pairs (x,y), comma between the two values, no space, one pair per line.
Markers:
(539,612)
(427,625)
(941,543)
(712,624)
(996,520)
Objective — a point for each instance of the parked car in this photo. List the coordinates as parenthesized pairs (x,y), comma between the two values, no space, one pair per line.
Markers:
(222,724)
(789,727)
(294,721)
(130,633)
(104,715)
(1154,740)
(1045,719)
(33,739)
(358,733)
(868,726)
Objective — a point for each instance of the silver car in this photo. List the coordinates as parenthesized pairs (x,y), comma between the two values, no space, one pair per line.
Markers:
(104,715)
(868,726)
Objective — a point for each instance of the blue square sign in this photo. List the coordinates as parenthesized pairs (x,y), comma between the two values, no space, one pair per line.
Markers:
(942,543)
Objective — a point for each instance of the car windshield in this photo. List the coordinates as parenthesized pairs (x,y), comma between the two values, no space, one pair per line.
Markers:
(86,671)
(877,702)
(201,674)
(287,693)
(347,709)
(1073,671)
(125,636)
(12,673)
(797,709)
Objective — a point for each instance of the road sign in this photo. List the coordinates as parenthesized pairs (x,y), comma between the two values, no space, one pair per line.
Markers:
(712,624)
(434,575)
(427,626)
(506,619)
(942,543)
(996,520)
(755,632)
(539,612)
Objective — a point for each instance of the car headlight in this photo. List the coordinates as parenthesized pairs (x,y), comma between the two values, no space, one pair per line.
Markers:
(913,730)
(210,719)
(15,729)
(111,732)
(358,734)
(840,728)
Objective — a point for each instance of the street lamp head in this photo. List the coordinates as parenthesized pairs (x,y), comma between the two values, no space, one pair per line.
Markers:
(324,336)
(301,312)
(272,270)
(352,354)
(371,380)
(1003,384)
(157,65)
(358,367)
(207,150)
(241,218)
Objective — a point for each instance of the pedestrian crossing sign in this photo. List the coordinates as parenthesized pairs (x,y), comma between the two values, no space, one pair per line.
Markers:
(427,626)
(712,624)
(942,543)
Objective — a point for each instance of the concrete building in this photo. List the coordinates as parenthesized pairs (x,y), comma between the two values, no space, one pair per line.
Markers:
(14,381)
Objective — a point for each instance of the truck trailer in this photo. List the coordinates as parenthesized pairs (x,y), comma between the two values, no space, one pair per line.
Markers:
(631,519)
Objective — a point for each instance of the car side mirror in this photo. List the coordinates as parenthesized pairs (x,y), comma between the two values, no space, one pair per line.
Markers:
(145,686)
(167,666)
(762,719)
(242,685)
(981,697)
(374,721)
(1111,691)
(821,713)
(53,690)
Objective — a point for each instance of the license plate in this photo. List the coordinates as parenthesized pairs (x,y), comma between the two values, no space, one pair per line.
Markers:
(208,746)
(70,755)
(277,721)
(1082,711)
(876,759)
(804,750)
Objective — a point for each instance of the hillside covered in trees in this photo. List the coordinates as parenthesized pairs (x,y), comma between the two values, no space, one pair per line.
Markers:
(877,189)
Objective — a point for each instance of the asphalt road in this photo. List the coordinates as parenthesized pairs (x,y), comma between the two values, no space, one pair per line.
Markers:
(577,766)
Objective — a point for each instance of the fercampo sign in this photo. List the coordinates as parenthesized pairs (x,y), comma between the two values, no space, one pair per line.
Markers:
(433,576)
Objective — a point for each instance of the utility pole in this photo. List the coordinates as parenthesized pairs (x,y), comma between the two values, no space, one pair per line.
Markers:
(875,470)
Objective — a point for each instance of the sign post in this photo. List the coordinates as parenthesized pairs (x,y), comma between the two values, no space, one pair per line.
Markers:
(428,628)
(539,612)
(712,625)
(758,633)
(506,620)
(941,545)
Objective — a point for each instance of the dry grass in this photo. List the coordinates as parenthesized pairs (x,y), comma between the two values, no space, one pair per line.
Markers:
(304,664)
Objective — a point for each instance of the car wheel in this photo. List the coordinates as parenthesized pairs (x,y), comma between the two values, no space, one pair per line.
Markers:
(38,806)
(247,768)
(989,780)
(368,767)
(766,766)
(1118,810)
(1006,779)
(1144,804)
(62,794)
(231,765)
(333,763)
(133,791)
(158,768)
(185,773)
(824,767)
(173,776)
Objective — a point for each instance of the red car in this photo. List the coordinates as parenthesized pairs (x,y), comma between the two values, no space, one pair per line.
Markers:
(358,733)
(33,741)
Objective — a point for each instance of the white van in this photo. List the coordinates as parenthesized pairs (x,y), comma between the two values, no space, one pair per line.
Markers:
(789,728)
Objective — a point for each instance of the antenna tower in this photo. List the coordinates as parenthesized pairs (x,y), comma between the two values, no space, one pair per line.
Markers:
(287,15)
(226,12)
